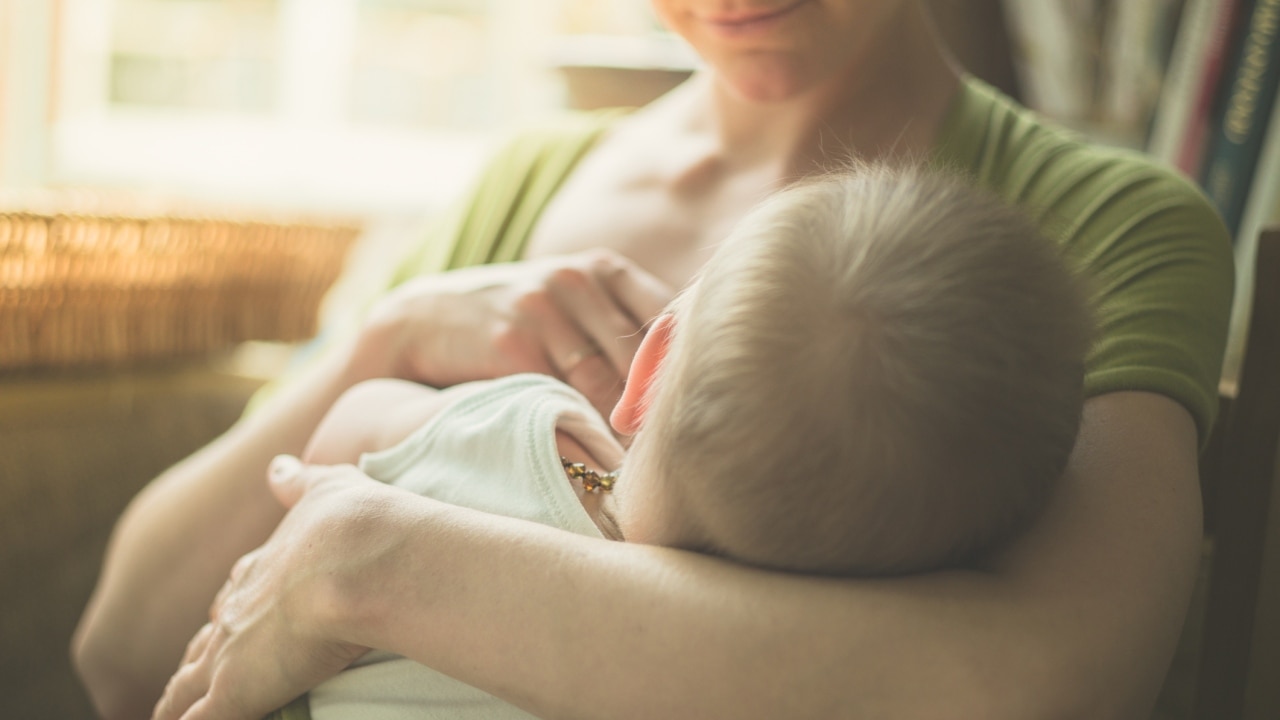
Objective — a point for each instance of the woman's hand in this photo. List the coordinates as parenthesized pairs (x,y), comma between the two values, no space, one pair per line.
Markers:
(268,639)
(577,317)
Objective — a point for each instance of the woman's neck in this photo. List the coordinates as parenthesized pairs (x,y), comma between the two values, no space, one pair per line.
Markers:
(890,101)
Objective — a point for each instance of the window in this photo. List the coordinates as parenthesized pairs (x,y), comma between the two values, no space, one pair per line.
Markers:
(348,105)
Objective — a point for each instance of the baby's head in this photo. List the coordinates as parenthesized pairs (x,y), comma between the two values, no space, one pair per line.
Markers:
(879,372)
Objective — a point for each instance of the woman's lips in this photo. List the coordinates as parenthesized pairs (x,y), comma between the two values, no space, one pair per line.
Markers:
(748,22)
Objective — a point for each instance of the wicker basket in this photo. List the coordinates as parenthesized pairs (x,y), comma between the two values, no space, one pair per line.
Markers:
(100,290)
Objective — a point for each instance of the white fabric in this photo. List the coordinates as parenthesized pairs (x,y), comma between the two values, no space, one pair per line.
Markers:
(493,450)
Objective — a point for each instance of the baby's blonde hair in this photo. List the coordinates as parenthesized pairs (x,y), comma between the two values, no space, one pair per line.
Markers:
(879,372)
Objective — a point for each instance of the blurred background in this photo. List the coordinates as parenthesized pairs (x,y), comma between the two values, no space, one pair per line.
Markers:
(369,115)
(354,106)
(180,176)
(376,106)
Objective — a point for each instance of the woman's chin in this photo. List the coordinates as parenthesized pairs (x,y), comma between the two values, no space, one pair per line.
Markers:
(768,81)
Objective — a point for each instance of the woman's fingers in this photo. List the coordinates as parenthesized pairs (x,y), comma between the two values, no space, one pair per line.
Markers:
(595,322)
(187,687)
(238,572)
(642,295)
(543,319)
(263,645)
(197,646)
(286,480)
(577,357)
(291,480)
(578,317)
(563,317)
(607,325)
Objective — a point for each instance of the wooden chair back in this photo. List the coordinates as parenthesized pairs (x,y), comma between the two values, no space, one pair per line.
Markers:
(1239,664)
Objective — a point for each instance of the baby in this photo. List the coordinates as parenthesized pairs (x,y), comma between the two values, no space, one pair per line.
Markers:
(879,372)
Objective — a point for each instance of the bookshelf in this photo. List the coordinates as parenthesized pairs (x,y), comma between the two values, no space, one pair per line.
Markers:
(1192,82)
(1094,66)
(1217,124)
(366,106)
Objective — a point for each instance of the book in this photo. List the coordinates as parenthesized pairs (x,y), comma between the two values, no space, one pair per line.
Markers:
(1241,121)
(1222,32)
(1262,211)
(1057,75)
(1179,90)
(1136,42)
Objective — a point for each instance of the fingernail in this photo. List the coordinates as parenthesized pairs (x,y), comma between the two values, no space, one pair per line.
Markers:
(283,467)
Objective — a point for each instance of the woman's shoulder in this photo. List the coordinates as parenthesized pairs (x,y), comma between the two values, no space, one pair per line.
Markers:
(1003,144)
(493,220)
(559,140)
(532,162)
(1156,253)
(1079,191)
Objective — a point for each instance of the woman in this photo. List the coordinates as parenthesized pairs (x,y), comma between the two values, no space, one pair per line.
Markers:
(1078,620)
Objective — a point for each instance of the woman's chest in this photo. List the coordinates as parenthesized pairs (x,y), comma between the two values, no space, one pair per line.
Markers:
(667,240)
(669,223)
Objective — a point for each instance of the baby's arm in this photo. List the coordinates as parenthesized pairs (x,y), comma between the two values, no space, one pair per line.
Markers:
(372,416)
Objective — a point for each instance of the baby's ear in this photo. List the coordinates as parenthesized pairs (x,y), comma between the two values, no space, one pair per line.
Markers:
(628,414)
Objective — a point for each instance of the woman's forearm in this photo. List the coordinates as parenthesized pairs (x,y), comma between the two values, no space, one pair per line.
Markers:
(1078,621)
(568,628)
(174,545)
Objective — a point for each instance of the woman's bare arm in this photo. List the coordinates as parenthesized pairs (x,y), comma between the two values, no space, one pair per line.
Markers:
(173,547)
(1079,621)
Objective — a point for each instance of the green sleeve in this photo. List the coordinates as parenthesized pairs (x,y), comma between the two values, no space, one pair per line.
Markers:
(493,223)
(1160,262)
(1148,243)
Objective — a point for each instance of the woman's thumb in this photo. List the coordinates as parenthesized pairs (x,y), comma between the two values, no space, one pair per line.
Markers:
(285,478)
